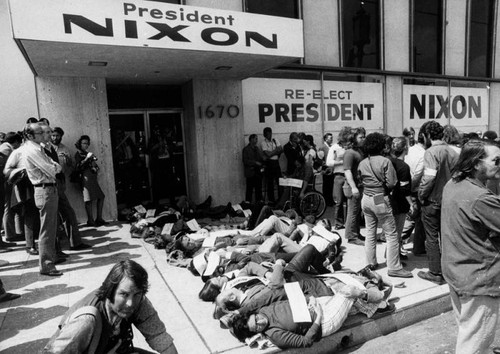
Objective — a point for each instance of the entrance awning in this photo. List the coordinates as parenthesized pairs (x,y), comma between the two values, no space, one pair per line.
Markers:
(150,42)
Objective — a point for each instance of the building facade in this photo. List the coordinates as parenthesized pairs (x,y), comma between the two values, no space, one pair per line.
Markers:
(207,74)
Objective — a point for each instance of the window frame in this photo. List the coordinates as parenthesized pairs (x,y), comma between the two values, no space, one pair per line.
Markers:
(441,39)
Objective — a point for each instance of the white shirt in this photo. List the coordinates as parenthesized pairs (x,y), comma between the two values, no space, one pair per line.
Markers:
(40,167)
(415,159)
(270,145)
(335,158)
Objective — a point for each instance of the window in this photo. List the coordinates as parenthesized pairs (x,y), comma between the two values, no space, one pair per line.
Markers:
(480,37)
(281,8)
(427,36)
(360,33)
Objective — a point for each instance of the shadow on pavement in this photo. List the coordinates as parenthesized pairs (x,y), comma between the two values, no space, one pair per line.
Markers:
(32,296)
(28,347)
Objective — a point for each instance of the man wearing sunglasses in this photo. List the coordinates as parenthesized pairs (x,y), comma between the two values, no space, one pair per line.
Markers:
(470,245)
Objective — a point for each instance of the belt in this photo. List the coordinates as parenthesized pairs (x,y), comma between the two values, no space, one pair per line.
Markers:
(338,174)
(43,185)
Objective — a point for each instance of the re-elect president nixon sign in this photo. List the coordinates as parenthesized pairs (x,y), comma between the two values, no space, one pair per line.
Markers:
(154,24)
(461,106)
(301,105)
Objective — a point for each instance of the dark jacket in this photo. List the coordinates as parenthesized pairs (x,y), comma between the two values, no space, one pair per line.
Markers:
(252,155)
(470,238)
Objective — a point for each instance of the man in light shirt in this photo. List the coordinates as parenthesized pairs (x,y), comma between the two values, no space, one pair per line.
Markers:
(272,150)
(42,170)
(415,159)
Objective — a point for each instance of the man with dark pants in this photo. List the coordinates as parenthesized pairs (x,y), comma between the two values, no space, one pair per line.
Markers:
(470,228)
(327,178)
(253,162)
(439,160)
(12,142)
(58,152)
(42,172)
(272,150)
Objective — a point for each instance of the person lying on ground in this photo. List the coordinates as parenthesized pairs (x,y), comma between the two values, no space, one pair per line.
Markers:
(244,301)
(102,321)
(260,265)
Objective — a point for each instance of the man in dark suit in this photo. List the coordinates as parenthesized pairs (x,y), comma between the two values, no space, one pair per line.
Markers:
(253,162)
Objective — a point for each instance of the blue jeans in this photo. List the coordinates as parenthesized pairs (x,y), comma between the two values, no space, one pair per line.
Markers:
(338,200)
(431,218)
(380,214)
(353,218)
(46,200)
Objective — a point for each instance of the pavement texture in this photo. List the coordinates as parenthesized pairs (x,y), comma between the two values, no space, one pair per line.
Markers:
(27,323)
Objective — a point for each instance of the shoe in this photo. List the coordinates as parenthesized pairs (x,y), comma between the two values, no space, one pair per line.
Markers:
(61,254)
(9,296)
(101,222)
(401,273)
(388,309)
(52,273)
(372,266)
(32,251)
(90,223)
(339,227)
(361,237)
(435,278)
(60,260)
(356,241)
(80,247)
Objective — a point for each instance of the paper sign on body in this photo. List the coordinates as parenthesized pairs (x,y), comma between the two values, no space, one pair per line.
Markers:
(193,225)
(298,303)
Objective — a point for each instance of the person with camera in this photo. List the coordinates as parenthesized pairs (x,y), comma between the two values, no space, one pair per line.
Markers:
(85,162)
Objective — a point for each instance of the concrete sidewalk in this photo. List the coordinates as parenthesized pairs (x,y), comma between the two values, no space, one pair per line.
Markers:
(28,322)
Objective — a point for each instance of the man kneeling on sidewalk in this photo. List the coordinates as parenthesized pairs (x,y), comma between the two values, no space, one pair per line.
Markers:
(102,321)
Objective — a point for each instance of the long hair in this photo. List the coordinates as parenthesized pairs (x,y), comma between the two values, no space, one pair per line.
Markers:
(240,329)
(123,269)
(471,154)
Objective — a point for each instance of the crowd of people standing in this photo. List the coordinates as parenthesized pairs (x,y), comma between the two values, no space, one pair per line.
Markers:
(35,165)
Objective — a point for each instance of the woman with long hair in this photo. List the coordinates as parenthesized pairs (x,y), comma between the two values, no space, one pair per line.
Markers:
(378,177)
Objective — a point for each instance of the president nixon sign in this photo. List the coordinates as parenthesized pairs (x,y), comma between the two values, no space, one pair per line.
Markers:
(155,24)
(301,105)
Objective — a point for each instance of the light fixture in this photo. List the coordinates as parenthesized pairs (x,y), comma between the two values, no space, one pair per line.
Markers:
(98,63)
(223,68)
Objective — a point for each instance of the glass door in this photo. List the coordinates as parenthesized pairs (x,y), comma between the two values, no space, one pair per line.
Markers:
(128,141)
(148,156)
(166,153)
